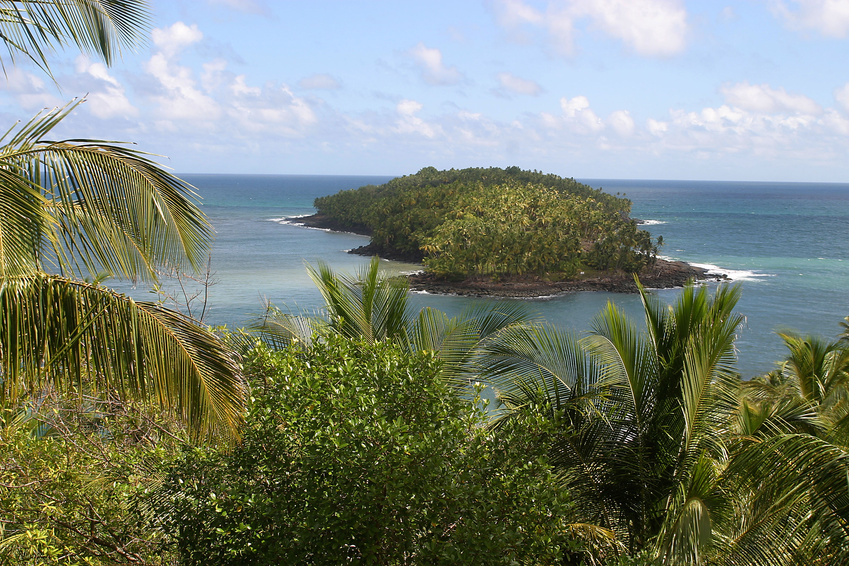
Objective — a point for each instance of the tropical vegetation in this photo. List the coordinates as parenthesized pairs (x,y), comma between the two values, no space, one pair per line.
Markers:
(495,223)
(75,211)
(363,443)
(357,452)
(130,434)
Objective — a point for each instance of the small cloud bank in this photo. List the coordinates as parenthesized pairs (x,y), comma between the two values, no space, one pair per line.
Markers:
(829,18)
(649,28)
(433,70)
(509,83)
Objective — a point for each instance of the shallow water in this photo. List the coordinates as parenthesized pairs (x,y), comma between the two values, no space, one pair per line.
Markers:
(784,242)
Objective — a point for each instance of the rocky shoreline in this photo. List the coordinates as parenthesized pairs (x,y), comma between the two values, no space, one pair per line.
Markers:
(663,274)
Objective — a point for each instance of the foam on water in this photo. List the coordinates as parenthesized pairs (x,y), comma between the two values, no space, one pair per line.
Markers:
(733,274)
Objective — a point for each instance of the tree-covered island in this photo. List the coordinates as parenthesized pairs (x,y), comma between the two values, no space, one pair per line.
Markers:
(493,231)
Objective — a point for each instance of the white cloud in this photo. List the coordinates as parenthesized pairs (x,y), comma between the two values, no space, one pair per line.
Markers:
(214,74)
(214,102)
(763,98)
(828,17)
(512,13)
(622,123)
(766,132)
(409,123)
(657,127)
(649,27)
(841,95)
(560,26)
(29,90)
(319,81)
(110,99)
(652,28)
(240,88)
(433,69)
(836,122)
(173,39)
(516,85)
(579,115)
(271,109)
(180,98)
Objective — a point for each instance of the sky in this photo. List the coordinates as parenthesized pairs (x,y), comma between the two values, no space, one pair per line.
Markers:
(748,90)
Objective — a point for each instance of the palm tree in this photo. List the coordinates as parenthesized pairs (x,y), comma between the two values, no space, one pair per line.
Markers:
(638,417)
(793,430)
(74,208)
(658,441)
(374,307)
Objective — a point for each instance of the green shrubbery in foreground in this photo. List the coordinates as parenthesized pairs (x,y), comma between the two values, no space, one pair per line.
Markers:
(359,453)
(625,447)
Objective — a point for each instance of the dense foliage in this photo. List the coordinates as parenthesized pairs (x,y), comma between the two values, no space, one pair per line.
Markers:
(356,452)
(73,478)
(658,439)
(624,447)
(494,222)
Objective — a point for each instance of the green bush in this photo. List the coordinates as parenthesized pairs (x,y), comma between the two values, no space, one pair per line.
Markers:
(359,453)
(70,478)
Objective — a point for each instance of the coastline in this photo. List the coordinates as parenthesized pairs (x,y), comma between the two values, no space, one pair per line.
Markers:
(664,274)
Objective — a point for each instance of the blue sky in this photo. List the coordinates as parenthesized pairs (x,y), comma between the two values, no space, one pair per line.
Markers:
(655,89)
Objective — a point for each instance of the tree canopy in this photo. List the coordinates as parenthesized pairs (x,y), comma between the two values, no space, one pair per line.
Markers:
(494,222)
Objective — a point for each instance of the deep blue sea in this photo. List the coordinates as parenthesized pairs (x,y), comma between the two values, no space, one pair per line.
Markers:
(786,243)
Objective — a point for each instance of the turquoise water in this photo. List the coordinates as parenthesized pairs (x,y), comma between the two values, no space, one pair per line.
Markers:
(786,243)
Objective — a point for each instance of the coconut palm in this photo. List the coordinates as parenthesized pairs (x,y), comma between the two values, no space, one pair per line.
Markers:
(374,307)
(656,442)
(791,455)
(76,208)
(638,416)
(818,368)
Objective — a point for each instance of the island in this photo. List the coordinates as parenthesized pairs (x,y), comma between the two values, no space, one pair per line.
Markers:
(503,232)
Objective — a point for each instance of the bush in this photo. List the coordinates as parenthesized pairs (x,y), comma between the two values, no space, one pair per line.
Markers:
(70,477)
(360,453)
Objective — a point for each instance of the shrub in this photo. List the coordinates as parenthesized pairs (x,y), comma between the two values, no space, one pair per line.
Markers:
(360,453)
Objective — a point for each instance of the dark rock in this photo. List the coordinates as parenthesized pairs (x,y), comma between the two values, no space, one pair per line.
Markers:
(663,274)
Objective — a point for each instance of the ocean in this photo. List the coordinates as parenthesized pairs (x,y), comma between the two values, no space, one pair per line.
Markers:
(785,243)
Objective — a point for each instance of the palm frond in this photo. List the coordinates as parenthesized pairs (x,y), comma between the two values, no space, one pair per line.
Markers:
(798,484)
(709,382)
(104,206)
(626,358)
(491,318)
(453,340)
(34,28)
(75,335)
(280,329)
(687,531)
(543,365)
(368,306)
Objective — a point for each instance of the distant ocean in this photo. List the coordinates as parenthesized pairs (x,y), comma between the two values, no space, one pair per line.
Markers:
(786,243)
